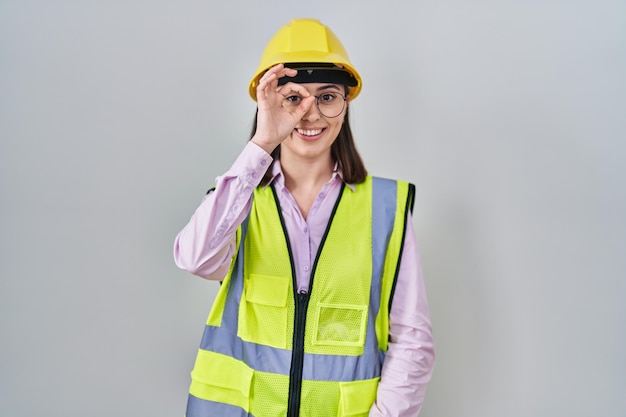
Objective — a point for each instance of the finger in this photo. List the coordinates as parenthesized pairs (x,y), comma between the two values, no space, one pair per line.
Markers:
(282,72)
(279,71)
(304,107)
(289,89)
(290,72)
(269,80)
(276,68)
(265,84)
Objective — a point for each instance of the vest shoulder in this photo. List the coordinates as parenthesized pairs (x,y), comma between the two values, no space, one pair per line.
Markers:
(389,180)
(406,188)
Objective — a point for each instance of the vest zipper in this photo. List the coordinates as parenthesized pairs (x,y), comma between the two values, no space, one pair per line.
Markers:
(297,356)
(302,304)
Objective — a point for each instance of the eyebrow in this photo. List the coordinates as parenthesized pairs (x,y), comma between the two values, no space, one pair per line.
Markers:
(327,86)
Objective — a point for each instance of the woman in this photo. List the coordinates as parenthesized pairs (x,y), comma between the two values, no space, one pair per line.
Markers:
(323,309)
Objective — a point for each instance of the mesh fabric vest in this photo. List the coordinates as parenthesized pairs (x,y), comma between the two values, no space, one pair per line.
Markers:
(268,351)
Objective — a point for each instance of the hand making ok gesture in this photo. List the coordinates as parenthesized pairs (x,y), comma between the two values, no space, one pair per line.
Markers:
(275,122)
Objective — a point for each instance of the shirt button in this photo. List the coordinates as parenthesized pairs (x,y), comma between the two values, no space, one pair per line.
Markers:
(253,175)
(263,162)
(306,268)
(306,230)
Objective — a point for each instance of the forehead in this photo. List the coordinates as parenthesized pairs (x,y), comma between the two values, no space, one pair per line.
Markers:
(317,87)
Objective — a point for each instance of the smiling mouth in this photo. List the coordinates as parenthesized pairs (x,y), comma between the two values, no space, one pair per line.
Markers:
(309,132)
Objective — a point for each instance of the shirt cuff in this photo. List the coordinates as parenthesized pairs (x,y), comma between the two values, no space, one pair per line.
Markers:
(251,164)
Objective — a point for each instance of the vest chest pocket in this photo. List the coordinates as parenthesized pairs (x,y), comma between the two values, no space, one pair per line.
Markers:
(263,311)
(340,325)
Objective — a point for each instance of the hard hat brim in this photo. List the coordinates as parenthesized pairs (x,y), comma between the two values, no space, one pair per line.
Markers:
(324,59)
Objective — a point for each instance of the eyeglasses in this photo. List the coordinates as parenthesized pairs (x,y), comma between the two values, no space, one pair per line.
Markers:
(329,104)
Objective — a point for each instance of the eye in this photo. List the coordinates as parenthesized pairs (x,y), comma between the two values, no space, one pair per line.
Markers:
(293,99)
(327,98)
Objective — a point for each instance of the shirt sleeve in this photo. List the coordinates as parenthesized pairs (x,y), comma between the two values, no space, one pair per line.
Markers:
(206,245)
(410,357)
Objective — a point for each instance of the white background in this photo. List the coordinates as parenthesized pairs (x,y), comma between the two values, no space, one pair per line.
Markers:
(509,116)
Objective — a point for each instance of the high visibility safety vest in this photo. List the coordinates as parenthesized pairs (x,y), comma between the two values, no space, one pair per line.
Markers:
(268,351)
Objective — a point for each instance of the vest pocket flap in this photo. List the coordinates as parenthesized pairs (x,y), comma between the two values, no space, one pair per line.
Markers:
(357,397)
(267,290)
(222,371)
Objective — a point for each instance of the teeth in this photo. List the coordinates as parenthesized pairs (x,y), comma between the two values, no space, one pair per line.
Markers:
(307,132)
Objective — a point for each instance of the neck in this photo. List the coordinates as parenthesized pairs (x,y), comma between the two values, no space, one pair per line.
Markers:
(306,174)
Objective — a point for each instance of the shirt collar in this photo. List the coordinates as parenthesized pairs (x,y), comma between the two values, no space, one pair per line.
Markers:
(277,176)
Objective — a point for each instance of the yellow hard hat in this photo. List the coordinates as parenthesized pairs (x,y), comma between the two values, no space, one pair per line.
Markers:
(306,41)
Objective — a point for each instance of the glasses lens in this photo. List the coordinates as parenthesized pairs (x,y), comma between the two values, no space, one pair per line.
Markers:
(330,104)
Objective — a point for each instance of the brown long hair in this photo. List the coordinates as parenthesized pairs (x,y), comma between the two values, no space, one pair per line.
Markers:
(343,151)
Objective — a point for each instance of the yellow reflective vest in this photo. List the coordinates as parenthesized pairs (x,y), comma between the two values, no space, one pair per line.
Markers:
(268,351)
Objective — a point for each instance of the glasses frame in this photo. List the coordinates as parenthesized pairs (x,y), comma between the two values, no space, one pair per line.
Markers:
(317,103)
(343,106)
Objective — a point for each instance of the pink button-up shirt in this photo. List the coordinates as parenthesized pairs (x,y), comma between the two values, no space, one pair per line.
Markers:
(206,245)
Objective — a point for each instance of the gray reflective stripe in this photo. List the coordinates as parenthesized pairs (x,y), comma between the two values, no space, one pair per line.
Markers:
(278,361)
(230,316)
(224,339)
(341,368)
(260,357)
(197,407)
(384,196)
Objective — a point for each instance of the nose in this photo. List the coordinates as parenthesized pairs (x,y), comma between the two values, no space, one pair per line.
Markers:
(313,113)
